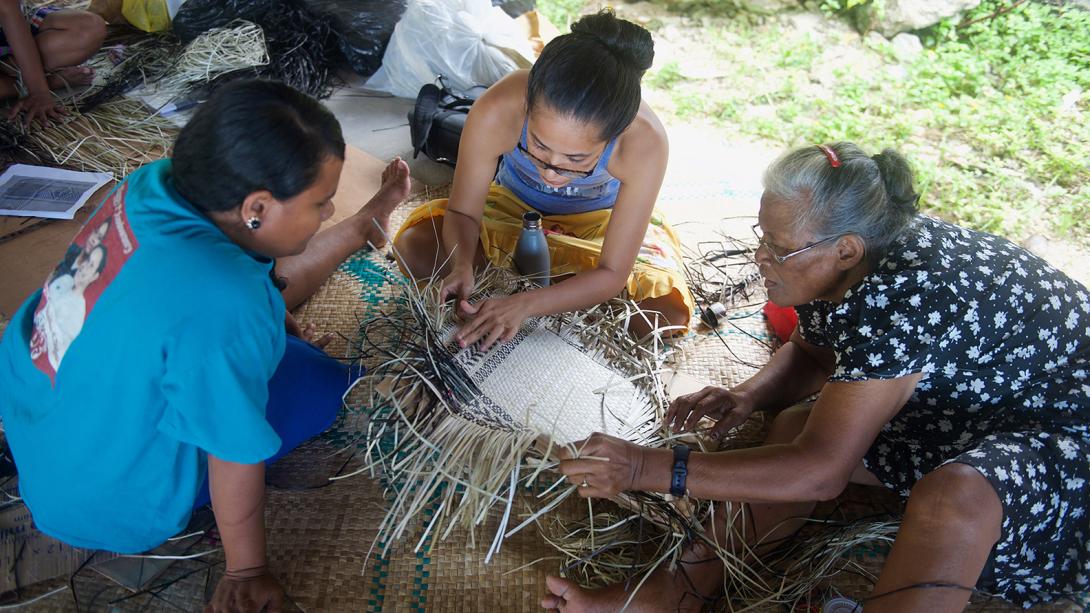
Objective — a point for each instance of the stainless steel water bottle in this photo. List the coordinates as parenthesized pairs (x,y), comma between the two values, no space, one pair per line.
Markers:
(532,251)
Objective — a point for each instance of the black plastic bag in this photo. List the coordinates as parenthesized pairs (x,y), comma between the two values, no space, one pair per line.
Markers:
(195,17)
(363,28)
(326,32)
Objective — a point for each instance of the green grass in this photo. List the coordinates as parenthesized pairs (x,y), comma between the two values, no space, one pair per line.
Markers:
(561,12)
(979,112)
(666,77)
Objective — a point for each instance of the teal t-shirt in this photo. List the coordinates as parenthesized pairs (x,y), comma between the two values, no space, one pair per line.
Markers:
(152,343)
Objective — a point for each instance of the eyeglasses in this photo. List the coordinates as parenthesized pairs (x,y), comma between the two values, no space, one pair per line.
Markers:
(780,259)
(564,172)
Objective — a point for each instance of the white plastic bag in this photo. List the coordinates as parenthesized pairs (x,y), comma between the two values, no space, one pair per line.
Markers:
(469,42)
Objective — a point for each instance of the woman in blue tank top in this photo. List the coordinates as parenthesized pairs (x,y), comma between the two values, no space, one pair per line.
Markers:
(573,140)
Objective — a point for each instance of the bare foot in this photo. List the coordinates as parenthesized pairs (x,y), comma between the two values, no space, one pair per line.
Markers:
(71,76)
(374,217)
(663,591)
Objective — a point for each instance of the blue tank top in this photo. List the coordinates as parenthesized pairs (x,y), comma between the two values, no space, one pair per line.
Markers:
(518,173)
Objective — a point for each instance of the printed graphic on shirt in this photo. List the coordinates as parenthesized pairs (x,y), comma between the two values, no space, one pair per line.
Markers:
(94,258)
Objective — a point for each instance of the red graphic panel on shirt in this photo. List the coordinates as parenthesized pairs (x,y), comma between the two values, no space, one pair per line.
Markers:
(94,258)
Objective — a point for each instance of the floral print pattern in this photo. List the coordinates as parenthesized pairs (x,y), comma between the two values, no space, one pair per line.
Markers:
(1003,342)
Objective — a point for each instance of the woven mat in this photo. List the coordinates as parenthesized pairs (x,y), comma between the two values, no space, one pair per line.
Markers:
(731,354)
(319,531)
(318,543)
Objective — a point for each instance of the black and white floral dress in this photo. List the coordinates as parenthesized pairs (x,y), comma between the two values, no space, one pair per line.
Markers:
(1003,340)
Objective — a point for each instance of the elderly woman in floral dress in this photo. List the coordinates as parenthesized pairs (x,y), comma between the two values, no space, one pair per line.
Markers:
(951,367)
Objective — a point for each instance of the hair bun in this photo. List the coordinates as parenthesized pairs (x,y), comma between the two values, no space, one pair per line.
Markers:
(630,43)
(897,178)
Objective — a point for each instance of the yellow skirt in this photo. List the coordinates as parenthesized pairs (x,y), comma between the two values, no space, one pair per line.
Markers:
(575,243)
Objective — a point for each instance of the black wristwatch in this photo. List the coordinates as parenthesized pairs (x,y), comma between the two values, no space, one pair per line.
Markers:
(680,470)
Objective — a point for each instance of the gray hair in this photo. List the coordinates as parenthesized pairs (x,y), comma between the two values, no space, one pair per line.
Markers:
(871,197)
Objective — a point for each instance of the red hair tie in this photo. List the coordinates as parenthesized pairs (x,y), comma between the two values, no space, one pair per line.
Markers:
(829,153)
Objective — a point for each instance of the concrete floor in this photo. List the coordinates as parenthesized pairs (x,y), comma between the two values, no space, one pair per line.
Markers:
(378,124)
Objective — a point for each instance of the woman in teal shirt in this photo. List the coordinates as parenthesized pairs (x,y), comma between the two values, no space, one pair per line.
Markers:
(175,379)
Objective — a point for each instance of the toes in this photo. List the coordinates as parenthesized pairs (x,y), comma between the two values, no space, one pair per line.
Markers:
(391,169)
(77,75)
(397,170)
(557,589)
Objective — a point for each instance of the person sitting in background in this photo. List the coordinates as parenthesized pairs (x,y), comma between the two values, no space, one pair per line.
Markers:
(951,366)
(48,52)
(177,382)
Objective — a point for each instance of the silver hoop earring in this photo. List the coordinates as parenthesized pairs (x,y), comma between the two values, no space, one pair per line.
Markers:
(253,223)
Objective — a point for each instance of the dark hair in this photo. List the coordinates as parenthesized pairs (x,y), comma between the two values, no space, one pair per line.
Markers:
(593,74)
(253,135)
(870,196)
(87,254)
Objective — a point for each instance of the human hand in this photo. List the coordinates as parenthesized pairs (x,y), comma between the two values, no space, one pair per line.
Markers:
(38,106)
(249,591)
(606,465)
(458,284)
(728,407)
(492,319)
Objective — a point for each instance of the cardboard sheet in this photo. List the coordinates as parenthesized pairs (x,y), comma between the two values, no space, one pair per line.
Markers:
(360,180)
(27,258)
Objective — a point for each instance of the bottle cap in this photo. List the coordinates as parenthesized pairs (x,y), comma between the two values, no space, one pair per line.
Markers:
(531,220)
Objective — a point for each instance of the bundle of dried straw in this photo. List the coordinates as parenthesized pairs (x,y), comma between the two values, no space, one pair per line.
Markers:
(117,137)
(104,132)
(437,434)
(240,46)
